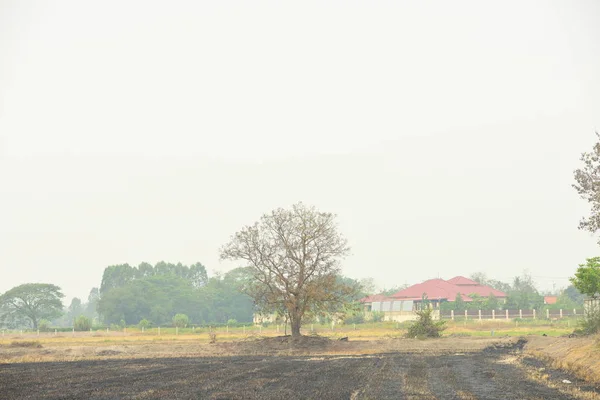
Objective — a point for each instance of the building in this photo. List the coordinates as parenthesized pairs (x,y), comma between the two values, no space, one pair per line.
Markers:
(434,291)
(550,299)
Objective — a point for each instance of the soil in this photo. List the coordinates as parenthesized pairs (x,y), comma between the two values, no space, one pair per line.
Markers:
(432,372)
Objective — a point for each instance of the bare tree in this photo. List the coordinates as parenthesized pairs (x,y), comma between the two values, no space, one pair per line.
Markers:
(294,257)
(588,187)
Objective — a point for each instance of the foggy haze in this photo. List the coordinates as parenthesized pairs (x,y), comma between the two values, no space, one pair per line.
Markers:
(444,137)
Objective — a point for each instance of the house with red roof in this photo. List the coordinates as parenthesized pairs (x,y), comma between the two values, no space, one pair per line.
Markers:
(435,291)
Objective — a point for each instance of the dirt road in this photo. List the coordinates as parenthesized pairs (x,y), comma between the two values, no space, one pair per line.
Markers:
(477,375)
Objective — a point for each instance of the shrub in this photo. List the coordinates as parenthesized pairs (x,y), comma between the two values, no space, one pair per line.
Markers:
(425,326)
(82,323)
(180,320)
(591,323)
(44,325)
(232,322)
(144,323)
(26,343)
(354,319)
(377,316)
(212,336)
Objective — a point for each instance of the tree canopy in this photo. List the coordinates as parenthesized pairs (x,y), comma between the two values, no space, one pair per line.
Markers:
(294,257)
(587,277)
(157,298)
(116,276)
(31,302)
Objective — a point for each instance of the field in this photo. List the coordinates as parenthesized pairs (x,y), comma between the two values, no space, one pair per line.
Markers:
(376,363)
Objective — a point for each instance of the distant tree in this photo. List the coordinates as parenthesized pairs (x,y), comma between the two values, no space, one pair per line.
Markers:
(33,302)
(587,277)
(587,185)
(82,323)
(295,256)
(482,279)
(92,303)
(574,295)
(491,303)
(181,320)
(523,294)
(197,275)
(75,309)
(144,323)
(394,289)
(459,304)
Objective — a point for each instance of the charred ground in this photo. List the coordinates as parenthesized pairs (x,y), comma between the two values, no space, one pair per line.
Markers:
(434,374)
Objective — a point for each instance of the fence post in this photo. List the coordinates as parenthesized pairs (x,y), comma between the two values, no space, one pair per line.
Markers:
(466,315)
(227,328)
(38,332)
(159,331)
(479,313)
(560,313)
(176,330)
(493,314)
(520,314)
(534,313)
(452,315)
(547,313)
(54,332)
(574,312)
(312,329)
(506,314)
(244,329)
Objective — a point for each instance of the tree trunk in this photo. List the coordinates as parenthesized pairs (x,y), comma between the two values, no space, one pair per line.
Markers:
(295,322)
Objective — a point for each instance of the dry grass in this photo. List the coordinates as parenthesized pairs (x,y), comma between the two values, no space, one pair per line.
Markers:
(580,356)
(540,375)
(26,343)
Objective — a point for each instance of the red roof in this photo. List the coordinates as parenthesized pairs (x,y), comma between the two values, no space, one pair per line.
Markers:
(469,286)
(462,281)
(375,297)
(550,299)
(435,289)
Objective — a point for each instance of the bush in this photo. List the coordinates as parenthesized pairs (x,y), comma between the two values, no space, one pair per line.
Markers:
(44,325)
(82,323)
(591,323)
(180,320)
(144,323)
(354,319)
(377,316)
(232,322)
(425,326)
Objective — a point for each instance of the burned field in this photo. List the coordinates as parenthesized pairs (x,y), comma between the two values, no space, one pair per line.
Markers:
(482,374)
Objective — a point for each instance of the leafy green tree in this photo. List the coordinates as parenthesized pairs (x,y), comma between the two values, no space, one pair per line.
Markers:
(144,323)
(44,325)
(459,304)
(82,323)
(587,277)
(295,259)
(32,302)
(92,303)
(181,320)
(491,303)
(523,294)
(75,309)
(574,295)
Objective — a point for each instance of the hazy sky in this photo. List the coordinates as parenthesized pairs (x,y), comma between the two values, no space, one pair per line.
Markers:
(443,134)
